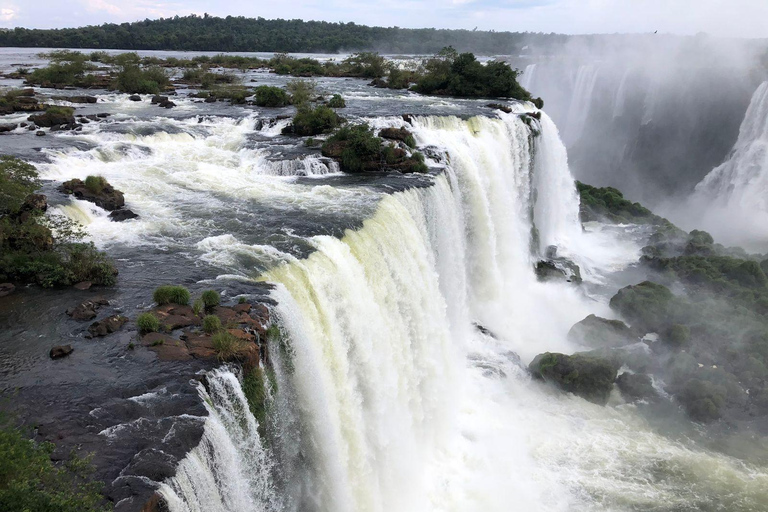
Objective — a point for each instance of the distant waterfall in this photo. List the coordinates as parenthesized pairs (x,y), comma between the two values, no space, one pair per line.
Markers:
(581,99)
(528,76)
(229,471)
(733,197)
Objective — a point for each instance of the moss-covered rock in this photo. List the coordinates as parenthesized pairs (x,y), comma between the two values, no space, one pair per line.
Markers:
(636,386)
(596,332)
(648,306)
(587,376)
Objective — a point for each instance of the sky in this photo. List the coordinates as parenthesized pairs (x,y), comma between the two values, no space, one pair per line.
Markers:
(729,18)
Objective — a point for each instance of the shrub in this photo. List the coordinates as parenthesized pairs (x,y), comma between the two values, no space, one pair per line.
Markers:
(86,263)
(211,324)
(18,179)
(315,121)
(133,79)
(147,322)
(170,294)
(198,306)
(29,480)
(268,96)
(647,305)
(302,92)
(677,336)
(359,146)
(60,111)
(226,345)
(242,300)
(337,101)
(95,184)
(211,298)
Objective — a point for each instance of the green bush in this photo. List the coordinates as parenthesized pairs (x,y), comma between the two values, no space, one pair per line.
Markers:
(211,324)
(268,96)
(648,306)
(18,179)
(198,307)
(211,298)
(60,111)
(337,101)
(226,345)
(302,92)
(677,336)
(315,121)
(95,184)
(170,294)
(31,482)
(147,322)
(132,79)
(358,146)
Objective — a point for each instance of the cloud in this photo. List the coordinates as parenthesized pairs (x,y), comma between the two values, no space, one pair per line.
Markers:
(102,5)
(8,13)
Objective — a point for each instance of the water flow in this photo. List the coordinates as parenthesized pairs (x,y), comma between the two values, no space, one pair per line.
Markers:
(579,107)
(229,471)
(733,197)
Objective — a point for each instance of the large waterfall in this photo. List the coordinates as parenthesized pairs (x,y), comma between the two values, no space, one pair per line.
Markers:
(400,376)
(733,197)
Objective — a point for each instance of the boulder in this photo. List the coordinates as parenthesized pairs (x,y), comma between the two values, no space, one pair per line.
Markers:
(56,118)
(158,99)
(108,197)
(40,133)
(76,99)
(556,267)
(60,351)
(398,134)
(82,285)
(6,289)
(134,97)
(107,326)
(583,375)
(498,106)
(597,332)
(636,386)
(8,127)
(121,215)
(86,310)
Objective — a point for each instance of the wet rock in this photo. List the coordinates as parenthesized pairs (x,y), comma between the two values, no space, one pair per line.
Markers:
(154,504)
(76,99)
(398,134)
(108,197)
(596,332)
(107,326)
(103,115)
(636,386)
(6,289)
(82,285)
(408,118)
(379,83)
(583,375)
(122,215)
(86,310)
(55,118)
(555,267)
(60,351)
(242,308)
(166,347)
(134,97)
(40,133)
(5,128)
(498,106)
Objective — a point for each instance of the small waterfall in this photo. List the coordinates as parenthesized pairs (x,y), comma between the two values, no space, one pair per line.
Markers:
(620,100)
(733,198)
(229,471)
(528,76)
(581,99)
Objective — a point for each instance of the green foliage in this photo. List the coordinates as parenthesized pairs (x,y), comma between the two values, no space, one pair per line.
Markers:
(133,79)
(211,298)
(236,94)
(256,384)
(198,307)
(337,101)
(647,305)
(587,376)
(462,75)
(359,145)
(702,400)
(95,184)
(211,324)
(18,179)
(171,294)
(608,203)
(147,322)
(315,121)
(268,96)
(366,65)
(68,73)
(226,345)
(242,300)
(677,336)
(302,92)
(31,482)
(60,111)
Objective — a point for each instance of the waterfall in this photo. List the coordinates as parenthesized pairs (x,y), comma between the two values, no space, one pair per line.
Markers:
(380,324)
(229,471)
(581,99)
(732,199)
(528,76)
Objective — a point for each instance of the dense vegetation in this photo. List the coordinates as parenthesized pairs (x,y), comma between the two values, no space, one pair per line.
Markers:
(30,482)
(38,248)
(241,34)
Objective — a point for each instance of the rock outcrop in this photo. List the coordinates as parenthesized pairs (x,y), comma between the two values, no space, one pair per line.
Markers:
(597,332)
(587,376)
(107,197)
(636,386)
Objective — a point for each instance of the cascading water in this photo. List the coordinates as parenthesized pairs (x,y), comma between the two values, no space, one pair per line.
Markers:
(229,471)
(528,76)
(578,109)
(733,198)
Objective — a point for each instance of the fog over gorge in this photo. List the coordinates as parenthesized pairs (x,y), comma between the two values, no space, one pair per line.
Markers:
(515,262)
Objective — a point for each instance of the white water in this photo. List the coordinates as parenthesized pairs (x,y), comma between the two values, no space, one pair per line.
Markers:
(528,76)
(732,200)
(229,471)
(579,106)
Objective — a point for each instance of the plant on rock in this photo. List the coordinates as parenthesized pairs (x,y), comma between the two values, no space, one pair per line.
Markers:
(147,322)
(170,294)
(211,299)
(211,324)
(227,345)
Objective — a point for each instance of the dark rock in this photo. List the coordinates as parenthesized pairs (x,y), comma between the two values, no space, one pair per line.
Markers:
(6,289)
(40,133)
(597,332)
(154,504)
(122,215)
(636,386)
(555,267)
(398,134)
(77,99)
(50,119)
(166,104)
(86,310)
(82,285)
(103,115)
(60,351)
(242,308)
(108,197)
(408,118)
(5,128)
(157,99)
(379,83)
(498,106)
(134,97)
(107,326)
(583,375)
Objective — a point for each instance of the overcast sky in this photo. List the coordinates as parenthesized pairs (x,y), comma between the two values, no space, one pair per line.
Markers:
(739,18)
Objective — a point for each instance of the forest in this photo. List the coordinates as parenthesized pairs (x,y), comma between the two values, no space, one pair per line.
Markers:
(240,34)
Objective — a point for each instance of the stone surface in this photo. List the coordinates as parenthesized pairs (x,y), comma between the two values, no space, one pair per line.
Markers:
(587,376)
(60,351)
(6,289)
(107,326)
